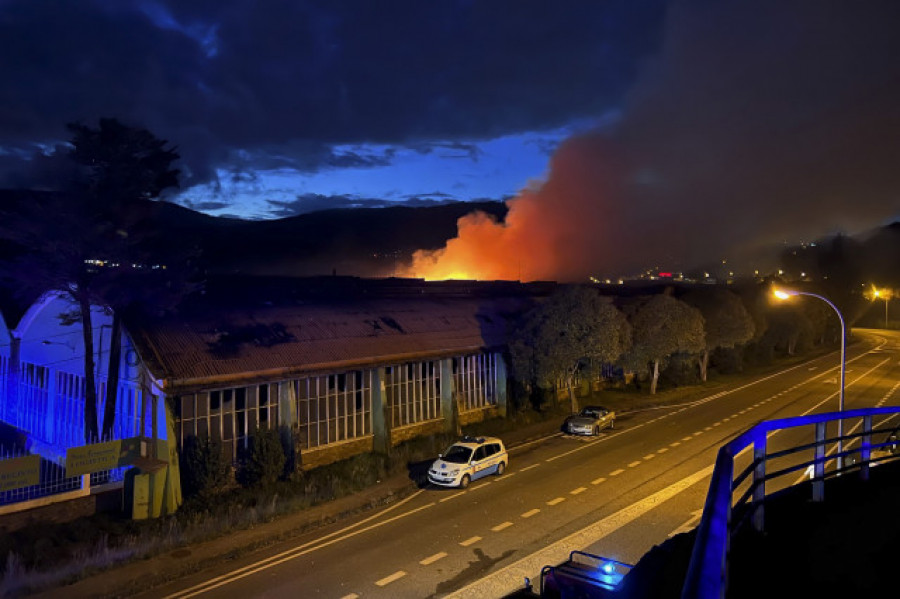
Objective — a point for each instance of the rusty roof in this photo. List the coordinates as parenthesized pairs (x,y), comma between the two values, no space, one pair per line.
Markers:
(271,341)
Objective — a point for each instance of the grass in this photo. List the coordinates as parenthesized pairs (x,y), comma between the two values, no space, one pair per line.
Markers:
(46,555)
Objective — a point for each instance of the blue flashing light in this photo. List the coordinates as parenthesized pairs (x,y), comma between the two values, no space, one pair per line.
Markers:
(608,568)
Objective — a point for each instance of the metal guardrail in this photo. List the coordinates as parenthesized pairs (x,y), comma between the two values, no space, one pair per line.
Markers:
(723,515)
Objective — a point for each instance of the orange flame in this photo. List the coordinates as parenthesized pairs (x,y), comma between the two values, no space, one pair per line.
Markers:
(552,230)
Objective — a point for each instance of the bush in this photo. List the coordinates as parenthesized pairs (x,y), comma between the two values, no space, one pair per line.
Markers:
(264,462)
(204,469)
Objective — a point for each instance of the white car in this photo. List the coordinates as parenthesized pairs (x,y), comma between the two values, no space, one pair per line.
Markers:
(467,460)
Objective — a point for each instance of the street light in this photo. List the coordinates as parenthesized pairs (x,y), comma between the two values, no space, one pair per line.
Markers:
(784,294)
(886,295)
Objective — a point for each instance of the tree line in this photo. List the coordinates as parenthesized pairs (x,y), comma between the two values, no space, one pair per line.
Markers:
(578,331)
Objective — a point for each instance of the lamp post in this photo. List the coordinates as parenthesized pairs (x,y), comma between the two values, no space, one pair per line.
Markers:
(784,294)
(886,295)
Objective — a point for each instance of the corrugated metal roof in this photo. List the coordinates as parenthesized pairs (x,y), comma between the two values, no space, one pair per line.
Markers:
(248,342)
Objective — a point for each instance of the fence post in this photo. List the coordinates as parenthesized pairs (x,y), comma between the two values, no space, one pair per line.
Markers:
(759,481)
(819,468)
(865,451)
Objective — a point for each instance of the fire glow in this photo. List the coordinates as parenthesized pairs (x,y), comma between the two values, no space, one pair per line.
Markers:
(553,230)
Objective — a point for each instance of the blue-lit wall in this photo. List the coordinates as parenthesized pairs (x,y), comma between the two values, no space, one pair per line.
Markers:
(48,400)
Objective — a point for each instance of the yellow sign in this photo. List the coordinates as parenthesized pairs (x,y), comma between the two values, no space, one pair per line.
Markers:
(17,473)
(93,458)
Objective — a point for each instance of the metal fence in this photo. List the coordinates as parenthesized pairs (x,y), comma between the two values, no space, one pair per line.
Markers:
(53,481)
(735,499)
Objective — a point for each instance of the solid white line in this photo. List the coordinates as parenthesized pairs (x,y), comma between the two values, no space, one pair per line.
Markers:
(430,560)
(502,526)
(338,535)
(448,498)
(509,578)
(531,513)
(389,579)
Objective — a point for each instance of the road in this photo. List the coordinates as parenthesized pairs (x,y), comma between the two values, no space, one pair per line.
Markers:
(617,495)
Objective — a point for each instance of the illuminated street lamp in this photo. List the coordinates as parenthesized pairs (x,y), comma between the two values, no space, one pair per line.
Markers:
(784,294)
(886,295)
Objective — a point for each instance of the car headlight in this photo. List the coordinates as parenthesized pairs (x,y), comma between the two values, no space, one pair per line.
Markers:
(453,472)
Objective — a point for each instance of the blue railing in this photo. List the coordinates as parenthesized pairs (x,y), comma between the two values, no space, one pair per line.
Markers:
(708,570)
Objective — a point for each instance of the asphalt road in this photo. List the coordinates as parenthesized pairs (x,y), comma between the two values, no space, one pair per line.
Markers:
(617,495)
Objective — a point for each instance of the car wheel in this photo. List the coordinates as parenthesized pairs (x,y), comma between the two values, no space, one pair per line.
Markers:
(501,468)
(596,430)
(464,481)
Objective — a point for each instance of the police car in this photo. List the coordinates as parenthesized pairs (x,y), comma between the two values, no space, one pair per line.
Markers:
(467,460)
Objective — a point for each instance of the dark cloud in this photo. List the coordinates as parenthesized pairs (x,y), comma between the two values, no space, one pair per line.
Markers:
(286,81)
(313,202)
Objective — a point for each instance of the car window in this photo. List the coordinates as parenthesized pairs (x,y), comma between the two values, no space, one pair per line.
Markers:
(589,413)
(491,449)
(457,454)
(480,454)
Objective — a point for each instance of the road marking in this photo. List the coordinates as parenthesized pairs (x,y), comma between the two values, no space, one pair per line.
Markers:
(578,490)
(295,552)
(662,450)
(350,596)
(686,438)
(633,464)
(649,456)
(531,513)
(719,423)
(430,560)
(689,524)
(616,472)
(556,501)
(502,526)
(480,485)
(675,444)
(698,433)
(451,497)
(509,579)
(389,579)
(470,541)
(597,481)
(708,428)
(528,467)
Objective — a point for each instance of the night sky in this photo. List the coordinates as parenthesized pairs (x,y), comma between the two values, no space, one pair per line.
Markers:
(622,133)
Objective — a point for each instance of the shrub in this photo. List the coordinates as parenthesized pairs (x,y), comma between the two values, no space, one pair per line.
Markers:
(264,462)
(204,469)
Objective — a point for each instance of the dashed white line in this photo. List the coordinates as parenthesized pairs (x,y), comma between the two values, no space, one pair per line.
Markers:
(531,513)
(675,444)
(686,438)
(470,541)
(662,450)
(556,501)
(430,560)
(635,463)
(649,456)
(616,472)
(350,596)
(578,490)
(502,526)
(448,498)
(389,579)
(597,481)
(528,467)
